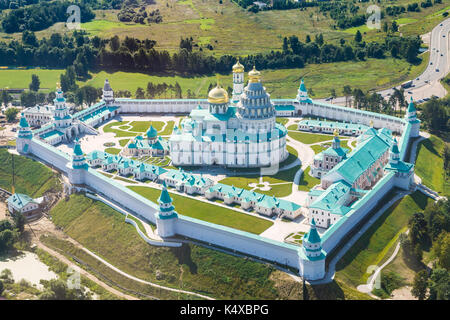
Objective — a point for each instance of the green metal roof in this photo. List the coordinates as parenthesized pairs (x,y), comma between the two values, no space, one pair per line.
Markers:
(19,200)
(165,197)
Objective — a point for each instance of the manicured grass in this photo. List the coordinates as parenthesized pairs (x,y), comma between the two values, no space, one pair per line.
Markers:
(308,138)
(208,212)
(31,177)
(112,150)
(142,126)
(119,133)
(168,129)
(430,151)
(102,230)
(123,142)
(307,181)
(318,148)
(371,248)
(283,121)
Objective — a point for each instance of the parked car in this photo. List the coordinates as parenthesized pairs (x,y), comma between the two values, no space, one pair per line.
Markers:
(437,70)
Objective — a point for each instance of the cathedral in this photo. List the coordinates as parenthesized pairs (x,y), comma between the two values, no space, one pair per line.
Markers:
(238,133)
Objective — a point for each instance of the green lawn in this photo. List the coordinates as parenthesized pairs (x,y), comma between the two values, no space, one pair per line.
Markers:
(31,177)
(142,126)
(372,247)
(168,129)
(307,181)
(103,230)
(430,151)
(208,212)
(308,138)
(112,150)
(123,142)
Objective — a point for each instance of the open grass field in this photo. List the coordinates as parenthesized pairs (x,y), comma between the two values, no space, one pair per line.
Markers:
(373,245)
(430,151)
(103,231)
(31,177)
(283,83)
(208,212)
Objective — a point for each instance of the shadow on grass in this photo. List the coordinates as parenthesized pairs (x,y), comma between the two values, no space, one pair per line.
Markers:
(183,255)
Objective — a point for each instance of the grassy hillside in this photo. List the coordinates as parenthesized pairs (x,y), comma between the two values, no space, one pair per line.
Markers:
(430,151)
(374,244)
(31,177)
(103,230)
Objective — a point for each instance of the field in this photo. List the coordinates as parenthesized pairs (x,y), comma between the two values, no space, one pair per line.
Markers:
(208,212)
(376,242)
(103,231)
(283,83)
(31,177)
(433,176)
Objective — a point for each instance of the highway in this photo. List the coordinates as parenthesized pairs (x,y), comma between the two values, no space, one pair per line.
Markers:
(427,84)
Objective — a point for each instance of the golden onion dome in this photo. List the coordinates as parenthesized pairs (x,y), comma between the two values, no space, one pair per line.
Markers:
(218,95)
(254,75)
(238,67)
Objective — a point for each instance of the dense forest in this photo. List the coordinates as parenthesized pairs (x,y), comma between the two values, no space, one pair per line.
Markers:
(41,16)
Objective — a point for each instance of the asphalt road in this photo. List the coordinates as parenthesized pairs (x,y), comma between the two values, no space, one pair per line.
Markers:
(427,84)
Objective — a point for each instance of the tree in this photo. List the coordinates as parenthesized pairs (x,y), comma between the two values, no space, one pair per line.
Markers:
(394,26)
(333,93)
(140,94)
(114,43)
(11,114)
(19,221)
(35,83)
(1,287)
(358,36)
(418,228)
(347,93)
(420,285)
(439,285)
(28,99)
(5,97)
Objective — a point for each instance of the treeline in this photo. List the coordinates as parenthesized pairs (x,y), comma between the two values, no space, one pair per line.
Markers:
(435,115)
(42,15)
(129,54)
(14,4)
(411,7)
(429,231)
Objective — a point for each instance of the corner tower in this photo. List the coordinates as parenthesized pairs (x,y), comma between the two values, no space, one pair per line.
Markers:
(78,165)
(302,94)
(312,258)
(166,216)
(24,135)
(411,117)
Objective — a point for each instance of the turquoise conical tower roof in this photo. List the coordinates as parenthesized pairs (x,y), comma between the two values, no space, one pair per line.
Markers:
(77,148)
(151,132)
(23,121)
(394,148)
(411,107)
(165,197)
(312,236)
(302,86)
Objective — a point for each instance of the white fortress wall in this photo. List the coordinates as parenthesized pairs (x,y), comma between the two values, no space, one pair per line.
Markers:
(49,154)
(335,234)
(244,242)
(159,105)
(346,114)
